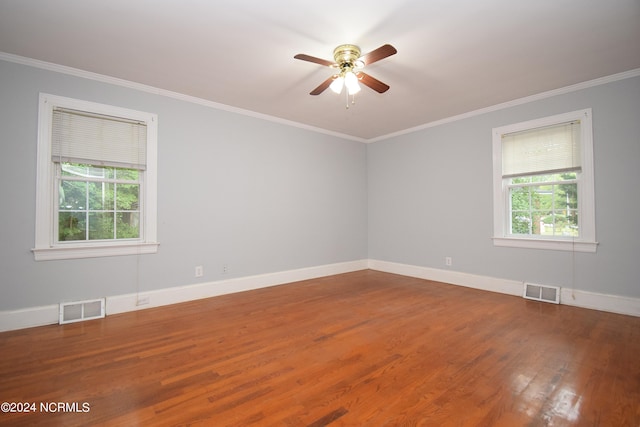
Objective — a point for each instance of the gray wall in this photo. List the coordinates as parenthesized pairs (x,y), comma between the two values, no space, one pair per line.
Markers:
(259,196)
(430,196)
(265,197)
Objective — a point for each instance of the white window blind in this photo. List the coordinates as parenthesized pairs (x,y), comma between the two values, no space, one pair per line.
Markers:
(80,137)
(550,149)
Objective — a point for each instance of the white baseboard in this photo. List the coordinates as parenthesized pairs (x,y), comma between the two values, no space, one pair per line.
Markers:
(46,315)
(485,283)
(503,286)
(575,297)
(160,297)
(29,317)
(602,302)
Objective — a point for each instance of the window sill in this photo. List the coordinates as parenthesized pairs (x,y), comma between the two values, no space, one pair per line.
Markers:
(556,245)
(76,252)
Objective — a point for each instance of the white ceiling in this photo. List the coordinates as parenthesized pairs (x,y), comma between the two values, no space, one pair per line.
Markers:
(454,56)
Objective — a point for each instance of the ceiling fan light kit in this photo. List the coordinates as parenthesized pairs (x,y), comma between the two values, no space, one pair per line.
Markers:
(336,84)
(349,61)
(351,82)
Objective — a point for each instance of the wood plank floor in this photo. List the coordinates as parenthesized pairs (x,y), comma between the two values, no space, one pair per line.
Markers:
(359,349)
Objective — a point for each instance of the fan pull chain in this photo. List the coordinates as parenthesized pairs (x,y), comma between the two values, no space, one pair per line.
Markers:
(353,99)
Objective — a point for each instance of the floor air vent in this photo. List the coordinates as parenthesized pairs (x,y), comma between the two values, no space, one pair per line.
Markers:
(542,293)
(81,310)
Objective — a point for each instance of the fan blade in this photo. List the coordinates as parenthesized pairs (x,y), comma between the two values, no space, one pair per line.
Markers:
(378,54)
(372,82)
(313,59)
(324,85)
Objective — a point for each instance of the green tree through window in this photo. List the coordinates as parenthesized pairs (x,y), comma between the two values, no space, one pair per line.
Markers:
(98,203)
(544,205)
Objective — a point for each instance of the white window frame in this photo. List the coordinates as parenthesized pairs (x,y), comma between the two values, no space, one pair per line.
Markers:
(586,193)
(46,247)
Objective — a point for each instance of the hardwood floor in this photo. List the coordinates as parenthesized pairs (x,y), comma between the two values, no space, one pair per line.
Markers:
(359,349)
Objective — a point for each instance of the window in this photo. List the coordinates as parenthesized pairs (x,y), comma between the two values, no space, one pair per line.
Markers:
(96,203)
(543,183)
(96,184)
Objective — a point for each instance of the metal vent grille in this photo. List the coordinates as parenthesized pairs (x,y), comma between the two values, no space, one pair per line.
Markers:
(544,293)
(81,310)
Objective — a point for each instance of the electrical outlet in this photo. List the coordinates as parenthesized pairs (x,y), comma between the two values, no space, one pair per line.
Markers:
(448,261)
(225,268)
(199,271)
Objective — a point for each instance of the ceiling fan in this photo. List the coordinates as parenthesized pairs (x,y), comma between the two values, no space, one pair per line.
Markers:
(349,62)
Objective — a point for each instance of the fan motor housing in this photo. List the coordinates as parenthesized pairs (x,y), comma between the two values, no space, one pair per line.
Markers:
(346,54)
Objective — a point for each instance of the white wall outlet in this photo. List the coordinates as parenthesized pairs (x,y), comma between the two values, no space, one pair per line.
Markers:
(225,268)
(199,271)
(448,261)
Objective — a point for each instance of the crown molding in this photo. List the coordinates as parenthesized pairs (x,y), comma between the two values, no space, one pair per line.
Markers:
(49,66)
(520,101)
(216,105)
